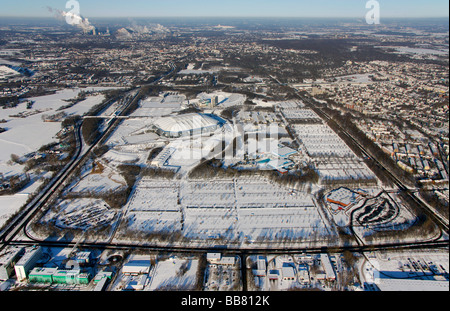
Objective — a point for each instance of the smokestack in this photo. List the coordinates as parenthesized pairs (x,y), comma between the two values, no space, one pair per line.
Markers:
(75,20)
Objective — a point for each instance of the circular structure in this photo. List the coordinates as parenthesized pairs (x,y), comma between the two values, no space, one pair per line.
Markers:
(187,124)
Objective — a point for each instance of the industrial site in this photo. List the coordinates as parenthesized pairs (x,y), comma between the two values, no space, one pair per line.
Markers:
(223,155)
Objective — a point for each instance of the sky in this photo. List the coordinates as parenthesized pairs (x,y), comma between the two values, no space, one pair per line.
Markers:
(228,8)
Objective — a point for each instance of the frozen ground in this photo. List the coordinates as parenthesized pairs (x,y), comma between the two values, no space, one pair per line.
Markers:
(244,209)
(28,134)
(9,205)
(174,274)
(425,270)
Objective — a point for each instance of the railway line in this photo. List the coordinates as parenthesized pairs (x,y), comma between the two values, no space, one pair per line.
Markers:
(8,236)
(442,222)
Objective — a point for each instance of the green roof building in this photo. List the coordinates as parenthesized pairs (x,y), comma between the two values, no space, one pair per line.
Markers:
(53,275)
(42,275)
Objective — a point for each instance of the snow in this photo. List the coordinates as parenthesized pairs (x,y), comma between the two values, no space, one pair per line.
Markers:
(195,72)
(82,213)
(120,157)
(25,135)
(321,141)
(229,209)
(9,205)
(100,183)
(167,274)
(425,270)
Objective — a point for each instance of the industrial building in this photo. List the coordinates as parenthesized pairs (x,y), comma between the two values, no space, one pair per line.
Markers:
(7,261)
(402,281)
(83,258)
(328,267)
(54,275)
(42,275)
(101,280)
(210,102)
(137,265)
(187,125)
(27,262)
(288,272)
(218,259)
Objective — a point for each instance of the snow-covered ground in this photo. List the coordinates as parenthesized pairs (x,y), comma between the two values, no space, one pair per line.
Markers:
(9,204)
(425,270)
(82,214)
(25,135)
(174,274)
(244,209)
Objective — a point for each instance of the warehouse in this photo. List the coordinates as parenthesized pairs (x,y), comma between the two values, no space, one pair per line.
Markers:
(27,262)
(328,267)
(42,275)
(187,125)
(137,265)
(7,261)
(54,275)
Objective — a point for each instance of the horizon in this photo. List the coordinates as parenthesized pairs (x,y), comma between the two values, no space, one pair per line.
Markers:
(345,9)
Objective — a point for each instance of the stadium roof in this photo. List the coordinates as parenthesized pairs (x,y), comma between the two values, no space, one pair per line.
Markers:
(186,122)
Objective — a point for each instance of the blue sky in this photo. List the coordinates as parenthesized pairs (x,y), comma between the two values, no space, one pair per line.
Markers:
(235,8)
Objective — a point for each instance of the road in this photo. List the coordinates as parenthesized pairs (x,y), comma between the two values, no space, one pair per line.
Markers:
(56,184)
(427,209)
(8,236)
(20,222)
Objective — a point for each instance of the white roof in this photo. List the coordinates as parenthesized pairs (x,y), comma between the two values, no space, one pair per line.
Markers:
(4,70)
(326,263)
(186,122)
(211,256)
(288,272)
(386,284)
(227,260)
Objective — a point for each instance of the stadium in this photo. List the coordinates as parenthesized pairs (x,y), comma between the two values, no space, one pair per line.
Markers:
(187,125)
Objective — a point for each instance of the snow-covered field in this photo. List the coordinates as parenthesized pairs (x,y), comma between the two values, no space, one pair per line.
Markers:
(25,135)
(28,134)
(321,141)
(9,205)
(80,214)
(407,271)
(231,209)
(174,274)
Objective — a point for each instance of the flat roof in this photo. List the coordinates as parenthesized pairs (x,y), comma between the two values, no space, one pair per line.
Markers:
(29,253)
(186,122)
(10,253)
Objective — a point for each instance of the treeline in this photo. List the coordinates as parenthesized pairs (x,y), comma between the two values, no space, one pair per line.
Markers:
(215,169)
(158,173)
(16,184)
(91,130)
(339,122)
(349,181)
(437,202)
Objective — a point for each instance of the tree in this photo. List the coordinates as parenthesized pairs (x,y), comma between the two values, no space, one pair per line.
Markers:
(15,158)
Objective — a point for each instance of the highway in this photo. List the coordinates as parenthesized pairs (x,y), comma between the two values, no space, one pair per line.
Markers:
(20,222)
(427,209)
(8,236)
(57,183)
(238,250)
(440,220)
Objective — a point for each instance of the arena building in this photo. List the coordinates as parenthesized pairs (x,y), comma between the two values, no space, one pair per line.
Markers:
(187,125)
